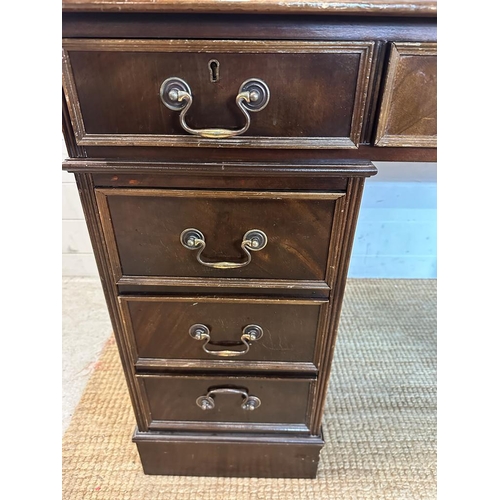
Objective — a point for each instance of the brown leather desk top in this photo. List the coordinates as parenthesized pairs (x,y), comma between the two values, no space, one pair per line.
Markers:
(372,7)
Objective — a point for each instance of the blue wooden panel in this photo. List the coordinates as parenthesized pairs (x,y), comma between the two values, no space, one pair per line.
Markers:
(396,232)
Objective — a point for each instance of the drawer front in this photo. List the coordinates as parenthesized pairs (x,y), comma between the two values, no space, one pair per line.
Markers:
(222,329)
(408,113)
(317,92)
(145,231)
(214,401)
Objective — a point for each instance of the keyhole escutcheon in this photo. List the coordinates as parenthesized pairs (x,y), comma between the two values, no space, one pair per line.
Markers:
(213,67)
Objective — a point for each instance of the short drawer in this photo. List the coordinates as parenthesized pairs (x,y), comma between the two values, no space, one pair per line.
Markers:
(215,333)
(222,234)
(234,403)
(303,95)
(408,112)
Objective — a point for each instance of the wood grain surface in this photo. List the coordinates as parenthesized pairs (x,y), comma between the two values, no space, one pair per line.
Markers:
(143,229)
(229,455)
(122,25)
(159,328)
(371,153)
(173,398)
(408,113)
(318,91)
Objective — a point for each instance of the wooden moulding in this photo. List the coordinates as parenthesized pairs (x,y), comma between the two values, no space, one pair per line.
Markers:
(364,153)
(247,26)
(339,266)
(87,197)
(229,455)
(241,176)
(307,168)
(224,286)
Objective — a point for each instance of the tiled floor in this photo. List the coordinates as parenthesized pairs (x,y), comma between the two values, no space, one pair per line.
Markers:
(86,327)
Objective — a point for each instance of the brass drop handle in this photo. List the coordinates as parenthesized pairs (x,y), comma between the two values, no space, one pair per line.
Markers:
(249,403)
(253,96)
(253,240)
(250,333)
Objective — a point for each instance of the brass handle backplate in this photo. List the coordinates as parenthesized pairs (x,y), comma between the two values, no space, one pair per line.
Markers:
(253,240)
(253,96)
(250,333)
(207,402)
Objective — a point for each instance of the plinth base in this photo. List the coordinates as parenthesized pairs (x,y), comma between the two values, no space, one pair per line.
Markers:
(231,455)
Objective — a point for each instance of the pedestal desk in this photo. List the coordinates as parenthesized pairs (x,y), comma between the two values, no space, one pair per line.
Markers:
(220,149)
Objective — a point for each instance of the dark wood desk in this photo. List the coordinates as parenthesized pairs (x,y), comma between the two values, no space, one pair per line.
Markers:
(220,150)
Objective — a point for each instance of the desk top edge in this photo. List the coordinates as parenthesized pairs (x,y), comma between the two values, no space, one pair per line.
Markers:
(416,8)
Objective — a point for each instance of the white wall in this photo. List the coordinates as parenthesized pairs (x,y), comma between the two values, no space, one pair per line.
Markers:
(77,256)
(395,236)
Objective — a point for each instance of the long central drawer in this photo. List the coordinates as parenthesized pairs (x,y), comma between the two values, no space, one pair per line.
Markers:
(118,91)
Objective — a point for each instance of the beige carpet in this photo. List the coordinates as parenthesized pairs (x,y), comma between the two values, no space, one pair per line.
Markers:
(379,423)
